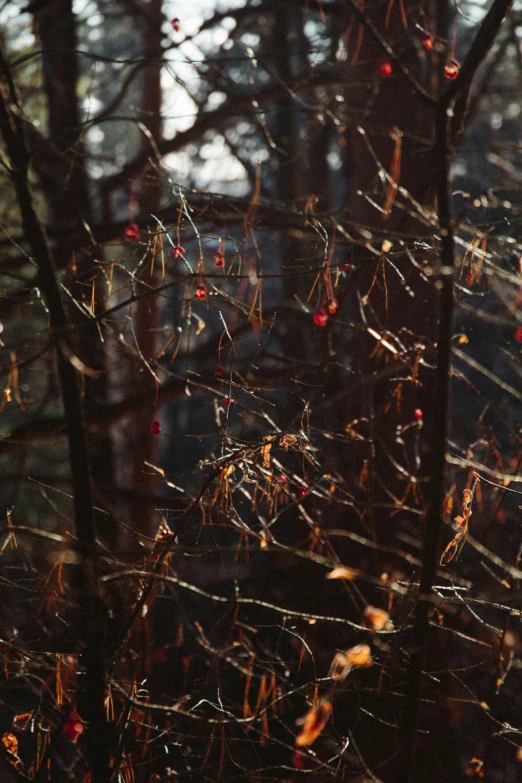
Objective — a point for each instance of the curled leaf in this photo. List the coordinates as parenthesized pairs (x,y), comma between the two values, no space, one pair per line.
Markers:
(340,667)
(451,550)
(341,572)
(377,619)
(344,662)
(265,450)
(313,723)
(10,742)
(360,655)
(455,545)
(287,440)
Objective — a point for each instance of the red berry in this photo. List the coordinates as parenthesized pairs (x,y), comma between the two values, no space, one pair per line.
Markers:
(303,492)
(345,266)
(175,24)
(73,726)
(384,67)
(282,479)
(469,277)
(427,41)
(132,232)
(518,334)
(155,428)
(226,402)
(332,306)
(451,69)
(218,372)
(298,760)
(219,259)
(418,414)
(320,317)
(177,251)
(201,291)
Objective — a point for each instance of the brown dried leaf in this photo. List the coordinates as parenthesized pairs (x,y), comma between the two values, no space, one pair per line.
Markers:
(456,544)
(467,497)
(287,440)
(451,550)
(265,451)
(395,172)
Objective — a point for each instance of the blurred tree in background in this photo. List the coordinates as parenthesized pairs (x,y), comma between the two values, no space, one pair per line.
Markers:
(261,420)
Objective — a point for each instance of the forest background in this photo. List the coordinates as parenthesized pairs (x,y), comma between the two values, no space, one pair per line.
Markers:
(261,277)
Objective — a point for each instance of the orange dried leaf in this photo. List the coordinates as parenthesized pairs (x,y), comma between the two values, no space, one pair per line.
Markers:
(341,572)
(287,440)
(265,451)
(377,619)
(22,720)
(10,742)
(313,723)
(479,767)
(461,522)
(340,667)
(343,663)
(360,655)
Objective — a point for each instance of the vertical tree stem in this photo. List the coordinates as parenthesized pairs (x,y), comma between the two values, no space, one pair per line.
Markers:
(440,411)
(444,120)
(92,692)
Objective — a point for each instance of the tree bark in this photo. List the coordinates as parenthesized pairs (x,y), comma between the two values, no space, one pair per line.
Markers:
(63,175)
(91,697)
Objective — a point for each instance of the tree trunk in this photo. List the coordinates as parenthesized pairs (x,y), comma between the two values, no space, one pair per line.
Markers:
(146,311)
(62,171)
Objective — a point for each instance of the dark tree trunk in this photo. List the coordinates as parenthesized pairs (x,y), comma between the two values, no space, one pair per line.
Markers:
(146,312)
(62,170)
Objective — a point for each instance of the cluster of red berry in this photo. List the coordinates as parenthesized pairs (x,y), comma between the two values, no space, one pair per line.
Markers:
(451,69)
